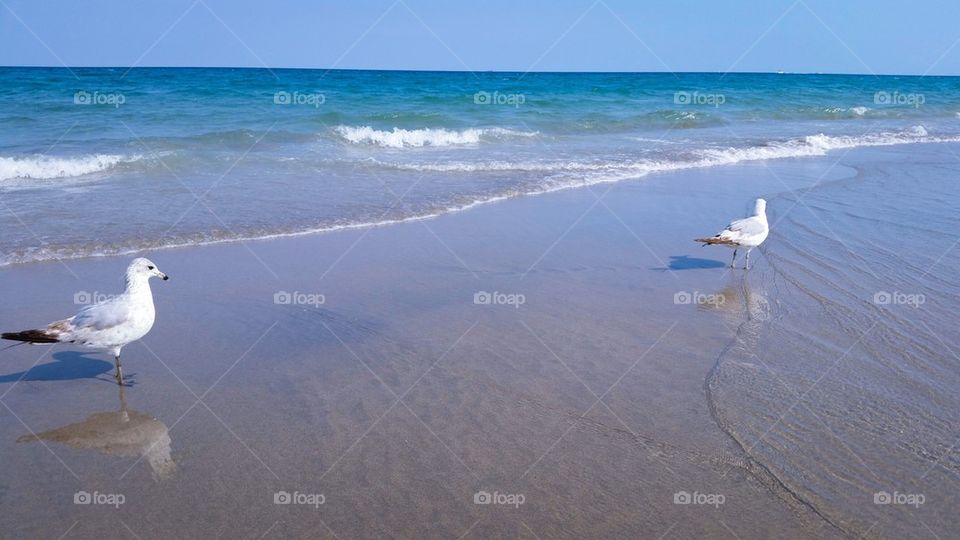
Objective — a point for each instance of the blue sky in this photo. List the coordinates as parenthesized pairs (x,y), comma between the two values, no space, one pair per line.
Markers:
(849,36)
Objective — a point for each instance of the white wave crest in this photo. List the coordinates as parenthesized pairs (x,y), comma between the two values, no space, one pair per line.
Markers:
(400,138)
(811,145)
(47,167)
(814,145)
(523,166)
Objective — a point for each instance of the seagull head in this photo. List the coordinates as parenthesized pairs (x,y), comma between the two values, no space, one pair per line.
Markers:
(142,267)
(760,207)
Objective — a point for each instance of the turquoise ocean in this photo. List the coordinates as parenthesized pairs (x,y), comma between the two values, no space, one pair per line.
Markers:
(97,161)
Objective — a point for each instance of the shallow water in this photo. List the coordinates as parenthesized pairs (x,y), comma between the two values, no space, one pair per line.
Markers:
(845,387)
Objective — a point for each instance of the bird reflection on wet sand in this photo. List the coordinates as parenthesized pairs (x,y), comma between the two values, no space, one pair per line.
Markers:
(122,433)
(744,307)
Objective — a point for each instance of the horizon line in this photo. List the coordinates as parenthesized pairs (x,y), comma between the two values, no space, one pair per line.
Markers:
(572,72)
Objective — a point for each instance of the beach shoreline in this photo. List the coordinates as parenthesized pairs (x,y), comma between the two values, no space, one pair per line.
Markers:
(550,347)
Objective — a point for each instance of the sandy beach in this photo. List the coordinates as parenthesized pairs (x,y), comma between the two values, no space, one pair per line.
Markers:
(543,367)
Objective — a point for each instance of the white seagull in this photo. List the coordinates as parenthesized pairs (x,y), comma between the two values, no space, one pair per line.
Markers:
(748,233)
(109,325)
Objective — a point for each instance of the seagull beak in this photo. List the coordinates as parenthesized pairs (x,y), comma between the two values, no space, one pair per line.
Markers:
(164,276)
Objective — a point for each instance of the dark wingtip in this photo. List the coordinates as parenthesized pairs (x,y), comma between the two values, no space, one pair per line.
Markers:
(30,336)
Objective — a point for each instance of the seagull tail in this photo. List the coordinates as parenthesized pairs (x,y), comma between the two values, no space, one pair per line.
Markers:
(713,240)
(30,336)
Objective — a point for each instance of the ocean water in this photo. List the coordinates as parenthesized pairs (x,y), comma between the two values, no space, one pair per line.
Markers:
(97,161)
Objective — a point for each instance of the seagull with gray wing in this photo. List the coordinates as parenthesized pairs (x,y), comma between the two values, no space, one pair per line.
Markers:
(109,325)
(743,233)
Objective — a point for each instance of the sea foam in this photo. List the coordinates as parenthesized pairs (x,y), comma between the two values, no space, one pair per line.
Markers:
(46,167)
(400,138)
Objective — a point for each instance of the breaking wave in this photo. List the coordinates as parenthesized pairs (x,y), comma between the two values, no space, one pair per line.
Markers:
(402,138)
(47,167)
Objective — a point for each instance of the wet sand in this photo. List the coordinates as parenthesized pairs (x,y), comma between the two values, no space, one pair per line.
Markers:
(846,387)
(399,398)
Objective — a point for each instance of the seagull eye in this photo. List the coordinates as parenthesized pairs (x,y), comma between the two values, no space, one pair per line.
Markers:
(149,268)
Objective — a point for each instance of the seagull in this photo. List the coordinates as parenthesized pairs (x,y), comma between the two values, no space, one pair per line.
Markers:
(748,232)
(109,325)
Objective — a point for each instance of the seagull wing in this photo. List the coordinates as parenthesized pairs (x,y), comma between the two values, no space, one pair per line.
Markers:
(108,314)
(80,327)
(748,231)
(745,227)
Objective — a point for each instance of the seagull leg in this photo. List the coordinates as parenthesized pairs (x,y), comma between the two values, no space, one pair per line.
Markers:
(734,258)
(119,375)
(747,267)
